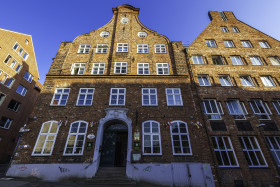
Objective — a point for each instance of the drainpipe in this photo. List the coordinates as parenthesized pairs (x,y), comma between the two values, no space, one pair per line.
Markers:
(203,118)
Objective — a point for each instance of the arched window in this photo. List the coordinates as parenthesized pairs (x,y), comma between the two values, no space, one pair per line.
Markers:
(151,138)
(180,138)
(46,139)
(76,138)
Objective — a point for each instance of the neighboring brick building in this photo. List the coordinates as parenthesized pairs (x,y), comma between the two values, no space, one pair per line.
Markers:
(19,88)
(236,72)
(120,92)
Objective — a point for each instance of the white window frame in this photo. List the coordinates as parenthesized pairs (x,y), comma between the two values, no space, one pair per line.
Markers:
(144,67)
(264,106)
(85,95)
(236,60)
(5,76)
(151,134)
(23,91)
(76,134)
(224,29)
(246,44)
(274,147)
(235,29)
(10,82)
(7,123)
(247,78)
(17,46)
(198,59)
(275,61)
(164,67)
(149,95)
(211,43)
(256,60)
(61,94)
(264,44)
(25,56)
(213,115)
(160,48)
(268,81)
(229,43)
(252,149)
(142,48)
(20,51)
(11,57)
(119,67)
(142,34)
(225,80)
(118,94)
(276,104)
(104,34)
(225,149)
(81,68)
(84,48)
(122,47)
(47,136)
(173,94)
(12,65)
(239,112)
(101,48)
(205,81)
(99,68)
(28,76)
(18,68)
(176,124)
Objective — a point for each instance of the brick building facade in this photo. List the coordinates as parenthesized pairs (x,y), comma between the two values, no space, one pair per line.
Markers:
(123,95)
(19,88)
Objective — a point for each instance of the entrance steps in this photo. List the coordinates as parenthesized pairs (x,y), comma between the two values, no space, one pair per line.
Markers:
(112,176)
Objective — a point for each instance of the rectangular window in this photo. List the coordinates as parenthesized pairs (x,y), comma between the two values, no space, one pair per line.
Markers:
(268,81)
(197,59)
(20,51)
(252,151)
(235,29)
(102,48)
(5,122)
(142,48)
(173,97)
(28,76)
(18,68)
(256,60)
(122,47)
(8,58)
(25,56)
(224,29)
(85,97)
(3,77)
(117,96)
(203,80)
(15,46)
(264,44)
(224,151)
(246,80)
(14,105)
(229,43)
(151,138)
(21,90)
(60,97)
(162,69)
(211,43)
(225,80)
(260,109)
(274,146)
(149,97)
(98,68)
(143,68)
(78,68)
(217,60)
(12,65)
(120,68)
(246,44)
(212,109)
(223,16)
(236,109)
(276,104)
(9,83)
(84,48)
(160,48)
(236,60)
(274,60)
(2,98)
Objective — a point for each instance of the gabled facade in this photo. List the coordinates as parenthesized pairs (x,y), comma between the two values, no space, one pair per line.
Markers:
(19,88)
(235,69)
(118,96)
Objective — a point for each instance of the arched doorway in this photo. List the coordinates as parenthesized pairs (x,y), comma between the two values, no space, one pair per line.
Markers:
(114,144)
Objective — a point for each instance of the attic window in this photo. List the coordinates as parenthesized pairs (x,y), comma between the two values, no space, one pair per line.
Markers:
(104,34)
(124,20)
(223,16)
(26,42)
(142,34)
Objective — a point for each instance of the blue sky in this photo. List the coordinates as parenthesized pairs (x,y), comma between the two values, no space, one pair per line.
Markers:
(52,21)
